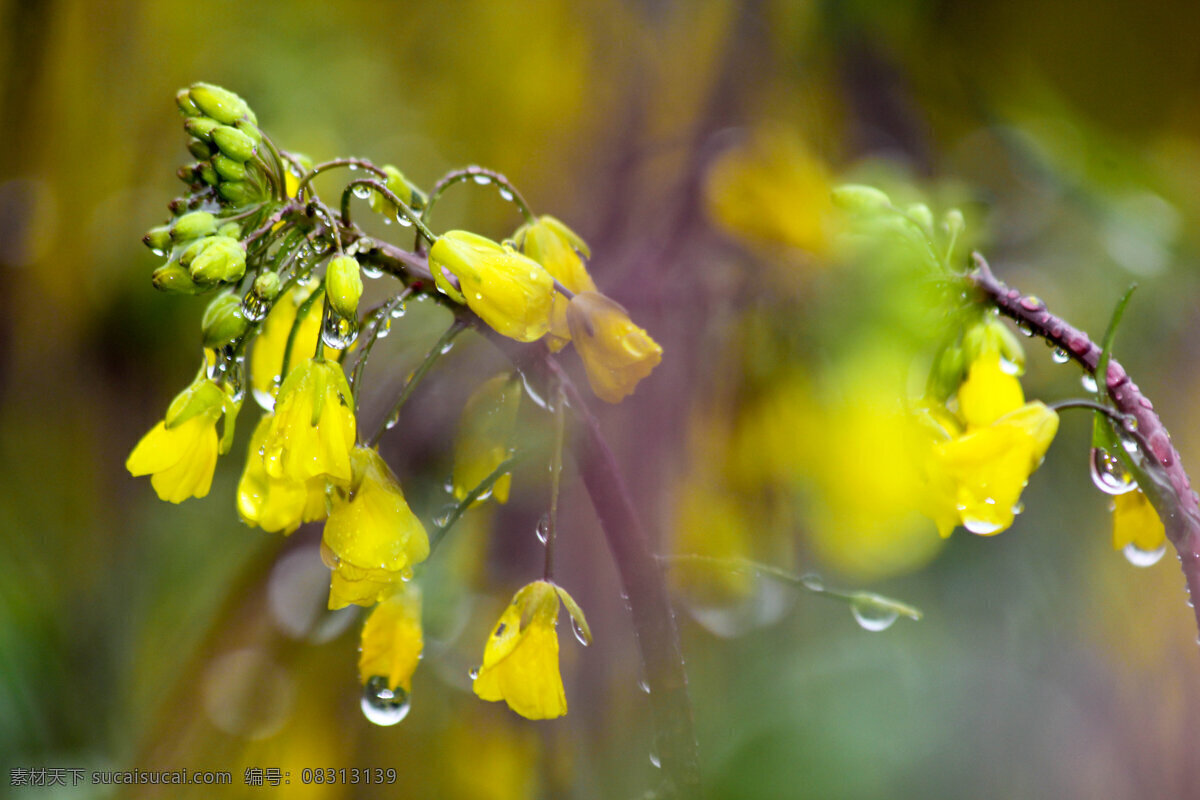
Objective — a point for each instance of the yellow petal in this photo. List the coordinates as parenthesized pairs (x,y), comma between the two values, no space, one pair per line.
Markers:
(520,660)
(298,447)
(989,392)
(179,460)
(1135,522)
(391,639)
(616,353)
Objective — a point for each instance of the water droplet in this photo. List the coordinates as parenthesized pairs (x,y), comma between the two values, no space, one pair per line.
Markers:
(473,673)
(482,180)
(1143,558)
(328,557)
(872,616)
(382,705)
(255,308)
(1009,367)
(337,332)
(1108,473)
(1018,508)
(1129,422)
(362,191)
(392,420)
(399,311)
(645,687)
(982,527)
(370,270)
(505,194)
(580,636)
(403,220)
(265,400)
(383,327)
(813,582)
(543,528)
(1031,303)
(447,347)
(352,167)
(1025,329)
(537,399)
(655,761)
(1088,381)
(444,515)
(1060,356)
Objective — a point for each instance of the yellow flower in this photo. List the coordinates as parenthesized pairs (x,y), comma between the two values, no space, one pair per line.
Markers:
(484,436)
(560,250)
(312,431)
(520,661)
(989,392)
(180,452)
(276,504)
(371,537)
(511,293)
(392,641)
(615,352)
(266,356)
(1135,522)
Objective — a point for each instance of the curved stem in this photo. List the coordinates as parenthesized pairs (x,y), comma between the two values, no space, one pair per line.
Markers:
(382,315)
(337,162)
(471,173)
(1171,493)
(556,454)
(301,313)
(484,486)
(391,197)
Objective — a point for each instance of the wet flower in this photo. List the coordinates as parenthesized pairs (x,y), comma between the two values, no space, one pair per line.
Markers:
(562,252)
(266,356)
(520,661)
(392,641)
(371,538)
(616,353)
(276,504)
(1135,522)
(484,438)
(510,292)
(180,452)
(312,431)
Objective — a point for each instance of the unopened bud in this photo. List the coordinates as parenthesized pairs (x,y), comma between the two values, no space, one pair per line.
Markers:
(158,239)
(223,320)
(221,104)
(402,188)
(857,198)
(233,143)
(229,169)
(239,193)
(955,222)
(189,174)
(174,279)
(250,129)
(186,105)
(343,286)
(920,214)
(199,149)
(177,206)
(993,336)
(266,286)
(222,259)
(201,127)
(193,225)
(231,229)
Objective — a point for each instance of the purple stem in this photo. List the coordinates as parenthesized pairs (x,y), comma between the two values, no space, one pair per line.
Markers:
(1177,505)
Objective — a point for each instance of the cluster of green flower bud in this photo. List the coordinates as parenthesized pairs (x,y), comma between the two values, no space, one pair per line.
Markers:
(226,140)
(202,253)
(985,337)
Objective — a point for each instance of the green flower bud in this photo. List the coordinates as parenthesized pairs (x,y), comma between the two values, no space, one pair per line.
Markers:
(229,169)
(222,259)
(230,229)
(402,188)
(343,286)
(158,239)
(955,222)
(199,149)
(201,127)
(239,193)
(234,143)
(266,286)
(223,320)
(993,336)
(177,206)
(193,225)
(949,370)
(189,174)
(250,129)
(221,104)
(186,105)
(174,279)
(858,198)
(194,249)
(920,214)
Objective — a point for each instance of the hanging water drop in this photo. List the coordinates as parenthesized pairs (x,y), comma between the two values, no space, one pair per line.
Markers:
(645,687)
(542,530)
(872,616)
(447,347)
(981,527)
(655,761)
(399,311)
(536,398)
(473,673)
(337,332)
(1088,381)
(265,400)
(1108,473)
(1060,356)
(370,270)
(1009,367)
(383,327)
(813,582)
(1143,558)
(362,191)
(1025,329)
(580,636)
(403,220)
(382,705)
(505,194)
(482,180)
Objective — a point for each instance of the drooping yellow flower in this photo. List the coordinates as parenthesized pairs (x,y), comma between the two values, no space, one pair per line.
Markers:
(276,504)
(1135,522)
(615,352)
(562,252)
(392,640)
(510,292)
(372,537)
(312,430)
(977,471)
(180,452)
(520,661)
(484,438)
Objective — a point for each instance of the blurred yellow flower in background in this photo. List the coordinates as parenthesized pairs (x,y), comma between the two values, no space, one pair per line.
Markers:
(616,353)
(485,432)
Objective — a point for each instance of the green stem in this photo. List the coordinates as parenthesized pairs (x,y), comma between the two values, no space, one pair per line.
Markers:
(391,197)
(382,316)
(337,162)
(560,403)
(435,352)
(479,491)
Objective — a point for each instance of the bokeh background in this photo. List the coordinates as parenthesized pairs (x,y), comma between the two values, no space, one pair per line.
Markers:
(693,145)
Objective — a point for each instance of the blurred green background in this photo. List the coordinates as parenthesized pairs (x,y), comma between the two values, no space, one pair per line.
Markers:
(692,144)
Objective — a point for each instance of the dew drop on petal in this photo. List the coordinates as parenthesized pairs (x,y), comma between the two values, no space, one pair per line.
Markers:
(982,527)
(873,617)
(382,705)
(1143,558)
